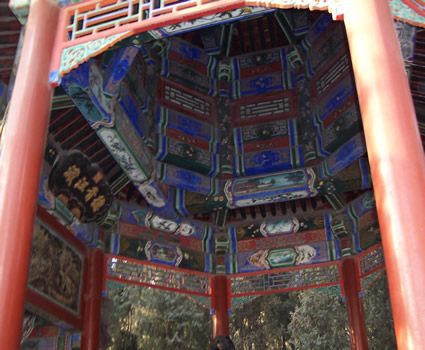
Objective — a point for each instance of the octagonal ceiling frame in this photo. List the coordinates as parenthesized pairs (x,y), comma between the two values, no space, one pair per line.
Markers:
(89,28)
(78,56)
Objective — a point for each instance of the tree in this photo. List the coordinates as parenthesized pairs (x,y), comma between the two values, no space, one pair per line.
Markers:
(320,320)
(148,318)
(378,315)
(262,323)
(158,319)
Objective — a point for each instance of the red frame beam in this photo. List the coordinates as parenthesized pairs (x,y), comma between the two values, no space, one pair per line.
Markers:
(20,164)
(357,326)
(396,158)
(93,297)
(236,275)
(220,305)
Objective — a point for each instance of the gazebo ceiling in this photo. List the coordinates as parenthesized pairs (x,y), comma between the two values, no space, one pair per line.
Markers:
(253,136)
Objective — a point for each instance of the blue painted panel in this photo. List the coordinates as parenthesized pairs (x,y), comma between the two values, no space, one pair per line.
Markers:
(157,200)
(131,107)
(188,180)
(189,125)
(266,161)
(366,178)
(262,84)
(363,204)
(85,87)
(179,196)
(189,51)
(335,97)
(346,154)
(337,250)
(118,67)
(328,226)
(318,28)
(133,214)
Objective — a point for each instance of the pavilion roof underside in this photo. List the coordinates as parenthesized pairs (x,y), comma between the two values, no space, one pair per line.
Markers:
(228,149)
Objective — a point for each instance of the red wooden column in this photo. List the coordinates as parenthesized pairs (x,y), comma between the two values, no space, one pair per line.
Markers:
(357,326)
(93,300)
(396,158)
(220,305)
(20,164)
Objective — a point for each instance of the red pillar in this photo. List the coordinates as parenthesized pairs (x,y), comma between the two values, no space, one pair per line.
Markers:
(20,164)
(93,300)
(357,326)
(220,305)
(396,158)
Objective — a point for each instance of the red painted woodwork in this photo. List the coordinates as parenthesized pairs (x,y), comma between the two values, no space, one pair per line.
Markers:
(396,158)
(41,302)
(220,305)
(188,139)
(168,289)
(145,262)
(135,231)
(357,326)
(283,269)
(52,222)
(292,114)
(93,297)
(211,118)
(52,309)
(20,165)
(265,145)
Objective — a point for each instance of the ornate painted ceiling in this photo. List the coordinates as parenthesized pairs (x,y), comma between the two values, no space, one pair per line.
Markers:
(234,148)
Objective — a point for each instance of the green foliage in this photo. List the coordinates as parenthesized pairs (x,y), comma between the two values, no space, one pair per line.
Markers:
(147,318)
(319,322)
(125,340)
(159,320)
(262,322)
(378,315)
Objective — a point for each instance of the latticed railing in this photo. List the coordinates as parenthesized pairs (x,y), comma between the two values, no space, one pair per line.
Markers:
(123,270)
(322,276)
(286,280)
(95,17)
(88,28)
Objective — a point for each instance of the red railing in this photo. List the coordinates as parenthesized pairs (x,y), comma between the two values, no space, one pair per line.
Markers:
(88,28)
(145,273)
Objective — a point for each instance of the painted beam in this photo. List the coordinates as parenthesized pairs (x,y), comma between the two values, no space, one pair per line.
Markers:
(114,126)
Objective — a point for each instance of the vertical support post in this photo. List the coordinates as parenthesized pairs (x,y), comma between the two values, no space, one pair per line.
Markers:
(220,305)
(356,322)
(396,158)
(20,165)
(93,300)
